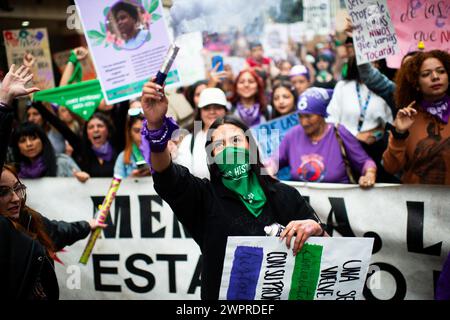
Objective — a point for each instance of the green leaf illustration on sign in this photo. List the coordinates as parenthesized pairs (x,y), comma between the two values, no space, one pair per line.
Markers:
(153,6)
(102,27)
(105,11)
(155,17)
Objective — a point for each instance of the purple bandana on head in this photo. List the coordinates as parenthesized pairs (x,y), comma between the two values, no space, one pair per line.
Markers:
(104,152)
(251,116)
(440,109)
(314,101)
(33,170)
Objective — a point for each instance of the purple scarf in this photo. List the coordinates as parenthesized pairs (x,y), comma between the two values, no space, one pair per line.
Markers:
(251,116)
(104,152)
(33,170)
(440,109)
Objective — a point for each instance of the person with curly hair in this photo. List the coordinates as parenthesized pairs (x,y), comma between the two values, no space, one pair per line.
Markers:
(419,142)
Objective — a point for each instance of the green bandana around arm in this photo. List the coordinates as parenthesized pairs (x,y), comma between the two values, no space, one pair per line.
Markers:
(77,74)
(234,166)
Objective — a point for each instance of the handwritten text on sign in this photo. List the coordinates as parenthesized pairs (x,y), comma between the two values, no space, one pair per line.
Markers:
(373,33)
(420,20)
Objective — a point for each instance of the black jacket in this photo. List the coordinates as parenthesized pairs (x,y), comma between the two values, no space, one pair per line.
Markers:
(24,260)
(6,120)
(211,212)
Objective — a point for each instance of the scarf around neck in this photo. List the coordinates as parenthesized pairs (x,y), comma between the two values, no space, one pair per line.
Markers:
(251,116)
(237,176)
(33,170)
(440,109)
(104,152)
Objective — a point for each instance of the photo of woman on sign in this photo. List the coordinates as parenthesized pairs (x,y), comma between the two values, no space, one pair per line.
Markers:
(128,23)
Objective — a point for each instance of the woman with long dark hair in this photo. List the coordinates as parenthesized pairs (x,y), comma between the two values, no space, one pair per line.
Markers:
(28,241)
(240,200)
(35,157)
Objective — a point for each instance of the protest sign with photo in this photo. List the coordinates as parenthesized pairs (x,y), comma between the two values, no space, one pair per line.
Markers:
(128,41)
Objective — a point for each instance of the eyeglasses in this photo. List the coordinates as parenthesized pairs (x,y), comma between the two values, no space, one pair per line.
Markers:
(19,190)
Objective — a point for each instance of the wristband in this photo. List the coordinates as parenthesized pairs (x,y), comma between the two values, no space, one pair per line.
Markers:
(398,135)
(159,138)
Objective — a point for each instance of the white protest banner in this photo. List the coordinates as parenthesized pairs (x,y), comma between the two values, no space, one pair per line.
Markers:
(145,253)
(275,40)
(419,20)
(190,62)
(128,41)
(263,268)
(34,41)
(317,16)
(373,34)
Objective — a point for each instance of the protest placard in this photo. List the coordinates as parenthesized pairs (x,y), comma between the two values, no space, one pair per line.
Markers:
(269,134)
(128,41)
(263,268)
(317,16)
(419,20)
(191,66)
(275,40)
(34,41)
(87,66)
(373,34)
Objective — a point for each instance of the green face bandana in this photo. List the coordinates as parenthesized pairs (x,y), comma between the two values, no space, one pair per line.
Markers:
(234,166)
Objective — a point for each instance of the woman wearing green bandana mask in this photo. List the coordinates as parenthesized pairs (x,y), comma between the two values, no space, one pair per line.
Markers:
(239,200)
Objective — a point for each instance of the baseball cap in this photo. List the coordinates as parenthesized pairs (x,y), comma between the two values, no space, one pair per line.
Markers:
(212,96)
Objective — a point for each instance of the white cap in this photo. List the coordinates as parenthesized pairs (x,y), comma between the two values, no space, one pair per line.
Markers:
(299,70)
(212,96)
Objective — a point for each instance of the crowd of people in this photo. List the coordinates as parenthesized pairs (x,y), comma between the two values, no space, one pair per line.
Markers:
(356,125)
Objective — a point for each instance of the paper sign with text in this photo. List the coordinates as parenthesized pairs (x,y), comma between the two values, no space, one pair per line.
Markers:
(419,20)
(373,34)
(128,41)
(317,16)
(34,41)
(263,268)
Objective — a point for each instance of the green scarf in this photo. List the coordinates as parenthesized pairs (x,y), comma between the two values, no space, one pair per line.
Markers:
(234,166)
(77,74)
(81,98)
